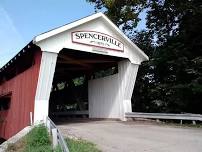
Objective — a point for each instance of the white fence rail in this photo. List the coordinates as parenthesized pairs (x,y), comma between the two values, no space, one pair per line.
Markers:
(186,116)
(57,136)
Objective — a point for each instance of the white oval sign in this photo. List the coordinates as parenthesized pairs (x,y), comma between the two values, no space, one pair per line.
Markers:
(93,38)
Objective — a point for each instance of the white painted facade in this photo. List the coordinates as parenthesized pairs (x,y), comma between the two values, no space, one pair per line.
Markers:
(109,97)
(57,39)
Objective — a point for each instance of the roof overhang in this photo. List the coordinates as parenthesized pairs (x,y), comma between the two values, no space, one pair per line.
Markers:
(63,37)
(57,39)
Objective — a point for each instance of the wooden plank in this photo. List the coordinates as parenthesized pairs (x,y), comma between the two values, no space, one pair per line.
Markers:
(75,61)
(86,61)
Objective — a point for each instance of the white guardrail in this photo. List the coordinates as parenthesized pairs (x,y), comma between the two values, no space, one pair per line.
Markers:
(186,116)
(57,136)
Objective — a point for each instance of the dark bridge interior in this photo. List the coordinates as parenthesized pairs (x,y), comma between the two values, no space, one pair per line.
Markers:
(69,95)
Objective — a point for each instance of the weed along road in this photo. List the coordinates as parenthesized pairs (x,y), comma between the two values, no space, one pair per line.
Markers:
(113,136)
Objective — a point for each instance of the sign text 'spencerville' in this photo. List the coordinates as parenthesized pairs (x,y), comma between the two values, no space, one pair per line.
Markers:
(97,39)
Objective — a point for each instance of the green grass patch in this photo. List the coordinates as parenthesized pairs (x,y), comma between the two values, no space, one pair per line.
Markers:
(80,145)
(38,140)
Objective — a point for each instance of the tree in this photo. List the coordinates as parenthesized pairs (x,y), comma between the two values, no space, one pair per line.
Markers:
(172,80)
(177,60)
(124,13)
(141,100)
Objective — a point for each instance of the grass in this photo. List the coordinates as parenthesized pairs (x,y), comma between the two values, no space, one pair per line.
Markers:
(38,140)
(79,145)
(17,147)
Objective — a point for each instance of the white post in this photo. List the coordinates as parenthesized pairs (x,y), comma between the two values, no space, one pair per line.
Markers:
(55,140)
(31,120)
(127,76)
(48,126)
(46,73)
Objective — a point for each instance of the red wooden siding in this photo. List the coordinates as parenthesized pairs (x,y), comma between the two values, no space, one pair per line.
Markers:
(23,88)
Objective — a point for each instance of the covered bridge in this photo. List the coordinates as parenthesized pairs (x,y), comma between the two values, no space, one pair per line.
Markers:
(88,66)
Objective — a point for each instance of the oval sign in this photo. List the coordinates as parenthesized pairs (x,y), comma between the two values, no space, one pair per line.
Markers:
(93,38)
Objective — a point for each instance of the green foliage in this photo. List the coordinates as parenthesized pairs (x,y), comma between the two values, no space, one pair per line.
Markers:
(106,72)
(124,13)
(81,146)
(172,80)
(58,149)
(177,59)
(45,148)
(79,81)
(61,85)
(170,18)
(38,140)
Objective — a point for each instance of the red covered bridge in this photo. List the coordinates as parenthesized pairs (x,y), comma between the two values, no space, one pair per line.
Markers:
(43,73)
(17,91)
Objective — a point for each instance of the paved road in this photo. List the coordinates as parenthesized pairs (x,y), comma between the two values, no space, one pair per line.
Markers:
(112,136)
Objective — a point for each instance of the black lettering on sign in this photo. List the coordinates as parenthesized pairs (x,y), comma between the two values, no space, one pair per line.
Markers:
(97,39)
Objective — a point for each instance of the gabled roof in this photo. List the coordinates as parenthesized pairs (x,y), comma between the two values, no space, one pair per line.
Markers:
(72,25)
(69,26)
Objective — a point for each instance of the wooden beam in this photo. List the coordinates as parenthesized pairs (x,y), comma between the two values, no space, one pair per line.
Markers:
(86,61)
(71,69)
(74,61)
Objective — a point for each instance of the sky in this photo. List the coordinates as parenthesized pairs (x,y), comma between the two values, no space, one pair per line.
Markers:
(21,20)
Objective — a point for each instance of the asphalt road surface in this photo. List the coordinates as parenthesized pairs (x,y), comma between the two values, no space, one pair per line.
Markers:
(115,136)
